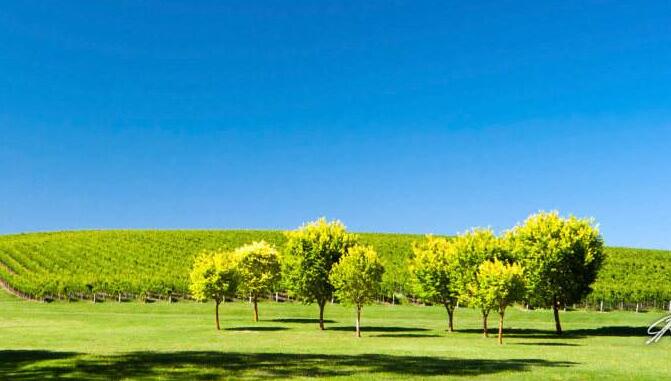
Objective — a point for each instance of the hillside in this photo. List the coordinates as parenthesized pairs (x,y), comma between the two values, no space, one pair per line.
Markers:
(138,263)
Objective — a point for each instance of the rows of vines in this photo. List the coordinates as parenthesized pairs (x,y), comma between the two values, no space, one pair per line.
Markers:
(143,264)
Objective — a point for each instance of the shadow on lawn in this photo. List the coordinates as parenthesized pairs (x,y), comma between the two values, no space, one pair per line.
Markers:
(549,344)
(407,335)
(29,365)
(260,329)
(301,320)
(365,328)
(618,331)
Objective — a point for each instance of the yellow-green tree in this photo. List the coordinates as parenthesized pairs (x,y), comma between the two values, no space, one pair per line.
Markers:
(259,269)
(357,278)
(436,274)
(562,257)
(498,285)
(471,249)
(311,252)
(214,276)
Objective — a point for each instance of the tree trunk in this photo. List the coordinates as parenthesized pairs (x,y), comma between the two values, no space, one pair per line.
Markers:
(256,309)
(321,314)
(601,306)
(484,324)
(637,307)
(216,313)
(119,297)
(450,316)
(358,321)
(555,308)
(500,327)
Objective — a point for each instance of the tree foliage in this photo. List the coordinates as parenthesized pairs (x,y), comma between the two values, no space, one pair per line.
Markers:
(497,286)
(214,276)
(357,278)
(472,249)
(259,269)
(562,257)
(436,273)
(311,252)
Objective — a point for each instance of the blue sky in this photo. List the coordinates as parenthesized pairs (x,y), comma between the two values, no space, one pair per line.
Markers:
(400,116)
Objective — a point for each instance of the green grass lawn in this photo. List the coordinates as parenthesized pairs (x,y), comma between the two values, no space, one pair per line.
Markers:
(179,341)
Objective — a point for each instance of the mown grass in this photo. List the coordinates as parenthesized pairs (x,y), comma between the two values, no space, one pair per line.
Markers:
(178,341)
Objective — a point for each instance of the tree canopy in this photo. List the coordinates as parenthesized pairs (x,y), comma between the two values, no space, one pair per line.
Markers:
(357,278)
(311,252)
(561,256)
(214,276)
(497,286)
(259,268)
(436,273)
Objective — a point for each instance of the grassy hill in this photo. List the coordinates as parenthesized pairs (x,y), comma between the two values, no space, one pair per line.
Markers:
(137,263)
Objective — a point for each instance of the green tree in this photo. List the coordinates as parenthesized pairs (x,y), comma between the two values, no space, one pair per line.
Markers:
(312,250)
(259,268)
(435,271)
(214,276)
(471,250)
(498,285)
(561,256)
(357,279)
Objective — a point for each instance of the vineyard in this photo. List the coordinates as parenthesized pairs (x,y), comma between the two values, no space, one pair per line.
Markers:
(122,265)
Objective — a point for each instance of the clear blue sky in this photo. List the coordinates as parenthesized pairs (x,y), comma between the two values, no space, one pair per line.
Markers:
(391,116)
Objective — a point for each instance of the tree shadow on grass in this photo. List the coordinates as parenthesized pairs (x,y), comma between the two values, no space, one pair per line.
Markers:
(618,331)
(260,329)
(401,335)
(550,344)
(214,365)
(378,329)
(301,320)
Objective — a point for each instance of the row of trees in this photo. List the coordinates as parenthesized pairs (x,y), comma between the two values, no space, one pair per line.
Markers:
(546,261)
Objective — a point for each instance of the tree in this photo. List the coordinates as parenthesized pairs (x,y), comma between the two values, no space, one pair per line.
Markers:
(561,256)
(471,250)
(357,279)
(312,250)
(214,276)
(498,285)
(435,271)
(259,268)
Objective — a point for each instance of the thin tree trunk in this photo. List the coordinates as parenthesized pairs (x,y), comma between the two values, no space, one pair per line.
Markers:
(555,308)
(484,324)
(321,314)
(119,297)
(500,327)
(256,310)
(216,313)
(450,317)
(358,321)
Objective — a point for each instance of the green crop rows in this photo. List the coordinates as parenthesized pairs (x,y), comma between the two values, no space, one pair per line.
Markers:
(138,264)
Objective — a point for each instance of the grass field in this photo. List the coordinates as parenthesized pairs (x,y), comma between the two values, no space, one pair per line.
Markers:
(178,341)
